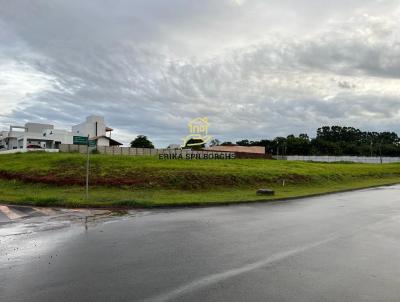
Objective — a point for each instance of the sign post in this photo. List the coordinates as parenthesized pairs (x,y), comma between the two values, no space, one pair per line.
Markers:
(92,143)
(87,168)
(84,140)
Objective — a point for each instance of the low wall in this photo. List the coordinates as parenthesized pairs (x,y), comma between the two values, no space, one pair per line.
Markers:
(167,153)
(246,155)
(330,159)
(24,150)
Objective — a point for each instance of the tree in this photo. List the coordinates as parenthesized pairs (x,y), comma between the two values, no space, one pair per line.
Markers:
(298,145)
(227,144)
(331,140)
(141,141)
(214,142)
(244,142)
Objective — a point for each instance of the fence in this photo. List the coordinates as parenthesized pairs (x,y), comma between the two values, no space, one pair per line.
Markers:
(24,150)
(166,153)
(189,154)
(108,150)
(330,159)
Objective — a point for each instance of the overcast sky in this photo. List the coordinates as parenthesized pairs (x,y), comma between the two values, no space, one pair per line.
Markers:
(256,69)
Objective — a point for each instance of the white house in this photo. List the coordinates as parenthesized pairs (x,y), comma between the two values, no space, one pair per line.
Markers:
(58,137)
(96,129)
(34,135)
(174,146)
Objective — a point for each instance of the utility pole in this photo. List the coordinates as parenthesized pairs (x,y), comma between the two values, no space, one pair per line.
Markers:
(87,170)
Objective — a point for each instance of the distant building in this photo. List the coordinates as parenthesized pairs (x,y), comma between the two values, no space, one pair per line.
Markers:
(174,146)
(44,136)
(239,149)
(34,135)
(58,137)
(96,129)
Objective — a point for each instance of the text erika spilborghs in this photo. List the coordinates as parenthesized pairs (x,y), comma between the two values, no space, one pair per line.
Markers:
(197,156)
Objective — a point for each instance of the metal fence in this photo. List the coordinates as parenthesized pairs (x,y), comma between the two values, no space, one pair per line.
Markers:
(330,159)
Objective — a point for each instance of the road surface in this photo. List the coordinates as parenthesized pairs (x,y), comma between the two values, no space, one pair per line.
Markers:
(343,247)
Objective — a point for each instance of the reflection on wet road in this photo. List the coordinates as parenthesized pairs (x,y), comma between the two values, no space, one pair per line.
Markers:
(19,225)
(12,213)
(21,220)
(342,247)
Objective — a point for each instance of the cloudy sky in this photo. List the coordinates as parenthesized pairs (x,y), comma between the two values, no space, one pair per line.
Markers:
(255,68)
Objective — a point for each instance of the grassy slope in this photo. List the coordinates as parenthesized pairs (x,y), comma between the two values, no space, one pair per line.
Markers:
(152,182)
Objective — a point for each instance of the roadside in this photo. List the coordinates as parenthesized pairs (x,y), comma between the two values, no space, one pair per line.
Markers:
(58,180)
(125,198)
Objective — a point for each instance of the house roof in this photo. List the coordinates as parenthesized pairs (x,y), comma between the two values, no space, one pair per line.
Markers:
(235,148)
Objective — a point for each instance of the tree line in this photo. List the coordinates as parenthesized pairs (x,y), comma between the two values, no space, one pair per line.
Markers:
(331,140)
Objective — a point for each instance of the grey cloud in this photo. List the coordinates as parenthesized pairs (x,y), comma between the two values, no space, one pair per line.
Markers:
(134,63)
(346,85)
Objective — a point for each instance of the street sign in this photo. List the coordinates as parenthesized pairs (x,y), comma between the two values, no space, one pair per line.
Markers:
(80,140)
(84,140)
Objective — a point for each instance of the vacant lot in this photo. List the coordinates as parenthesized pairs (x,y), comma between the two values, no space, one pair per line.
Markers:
(58,179)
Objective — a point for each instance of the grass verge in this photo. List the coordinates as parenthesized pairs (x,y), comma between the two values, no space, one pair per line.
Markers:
(57,180)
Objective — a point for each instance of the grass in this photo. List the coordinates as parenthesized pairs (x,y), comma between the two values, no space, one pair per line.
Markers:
(45,179)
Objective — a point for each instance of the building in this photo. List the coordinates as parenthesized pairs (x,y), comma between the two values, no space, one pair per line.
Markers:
(238,149)
(44,136)
(58,137)
(35,136)
(174,146)
(95,128)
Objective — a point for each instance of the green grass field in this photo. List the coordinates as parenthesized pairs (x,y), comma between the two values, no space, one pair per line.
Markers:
(58,180)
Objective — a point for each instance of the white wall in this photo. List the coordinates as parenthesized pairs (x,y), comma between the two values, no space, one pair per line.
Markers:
(9,139)
(37,128)
(24,150)
(56,135)
(103,142)
(80,130)
(12,143)
(355,159)
(89,127)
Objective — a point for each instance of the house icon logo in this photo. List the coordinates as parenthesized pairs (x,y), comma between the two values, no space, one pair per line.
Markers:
(198,129)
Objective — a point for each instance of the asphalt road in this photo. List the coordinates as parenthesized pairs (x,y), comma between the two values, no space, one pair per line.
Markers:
(343,247)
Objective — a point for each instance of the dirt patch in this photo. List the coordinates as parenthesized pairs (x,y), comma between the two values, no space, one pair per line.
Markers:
(180,180)
(184,180)
(45,179)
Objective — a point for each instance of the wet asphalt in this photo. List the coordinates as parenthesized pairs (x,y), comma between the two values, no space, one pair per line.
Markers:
(343,247)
